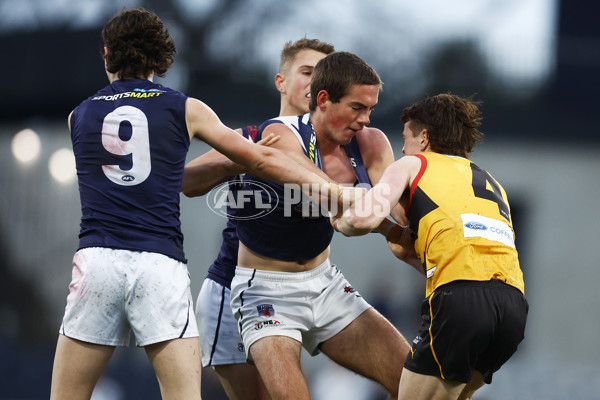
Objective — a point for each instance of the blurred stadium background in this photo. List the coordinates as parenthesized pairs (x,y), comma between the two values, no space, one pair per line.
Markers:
(534,63)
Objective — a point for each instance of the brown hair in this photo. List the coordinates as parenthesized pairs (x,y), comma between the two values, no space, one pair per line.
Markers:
(291,49)
(336,73)
(138,44)
(452,122)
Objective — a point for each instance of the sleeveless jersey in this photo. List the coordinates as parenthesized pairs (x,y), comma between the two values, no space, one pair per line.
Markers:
(222,269)
(130,142)
(278,224)
(461,218)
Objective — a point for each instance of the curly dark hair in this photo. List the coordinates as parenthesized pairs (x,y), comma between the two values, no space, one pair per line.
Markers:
(138,44)
(336,74)
(452,122)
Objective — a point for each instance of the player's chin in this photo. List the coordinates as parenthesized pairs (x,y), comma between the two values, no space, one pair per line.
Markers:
(349,134)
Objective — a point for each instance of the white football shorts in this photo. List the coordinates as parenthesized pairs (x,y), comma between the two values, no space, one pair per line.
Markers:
(220,340)
(114,292)
(310,307)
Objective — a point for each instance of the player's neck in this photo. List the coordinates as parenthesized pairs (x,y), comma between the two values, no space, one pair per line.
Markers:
(287,110)
(327,146)
(324,141)
(113,77)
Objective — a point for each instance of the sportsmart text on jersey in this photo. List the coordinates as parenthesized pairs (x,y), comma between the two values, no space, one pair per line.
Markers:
(125,95)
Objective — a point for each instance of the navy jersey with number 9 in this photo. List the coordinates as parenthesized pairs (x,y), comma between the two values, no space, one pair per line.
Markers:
(130,142)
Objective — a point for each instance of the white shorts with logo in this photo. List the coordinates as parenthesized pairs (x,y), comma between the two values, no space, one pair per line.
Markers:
(310,307)
(114,292)
(220,340)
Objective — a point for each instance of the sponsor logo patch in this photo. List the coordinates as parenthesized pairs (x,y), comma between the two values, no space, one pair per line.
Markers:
(475,225)
(270,323)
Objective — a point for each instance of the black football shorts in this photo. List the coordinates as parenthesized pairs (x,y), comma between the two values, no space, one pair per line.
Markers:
(467,326)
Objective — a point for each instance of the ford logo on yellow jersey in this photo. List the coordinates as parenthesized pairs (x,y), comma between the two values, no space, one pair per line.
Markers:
(476,225)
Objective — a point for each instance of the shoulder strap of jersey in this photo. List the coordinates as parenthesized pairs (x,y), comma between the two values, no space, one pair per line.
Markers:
(357,162)
(250,132)
(301,127)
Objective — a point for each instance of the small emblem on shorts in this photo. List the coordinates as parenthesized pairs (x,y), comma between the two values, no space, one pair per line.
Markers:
(266,324)
(417,339)
(241,347)
(349,289)
(265,310)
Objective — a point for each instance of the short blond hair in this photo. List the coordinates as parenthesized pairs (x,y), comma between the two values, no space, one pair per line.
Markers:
(291,50)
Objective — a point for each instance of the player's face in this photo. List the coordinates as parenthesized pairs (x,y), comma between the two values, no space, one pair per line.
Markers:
(351,113)
(297,80)
(413,141)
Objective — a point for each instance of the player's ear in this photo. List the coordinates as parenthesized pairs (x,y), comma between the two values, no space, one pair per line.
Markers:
(322,99)
(424,139)
(280,83)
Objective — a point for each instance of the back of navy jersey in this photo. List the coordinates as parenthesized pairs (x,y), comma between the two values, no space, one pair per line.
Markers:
(130,142)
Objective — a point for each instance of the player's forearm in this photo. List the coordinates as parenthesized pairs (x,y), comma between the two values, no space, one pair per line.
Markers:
(274,165)
(351,224)
(412,260)
(199,179)
(401,243)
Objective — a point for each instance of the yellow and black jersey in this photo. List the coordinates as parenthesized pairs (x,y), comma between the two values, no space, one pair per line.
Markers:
(461,220)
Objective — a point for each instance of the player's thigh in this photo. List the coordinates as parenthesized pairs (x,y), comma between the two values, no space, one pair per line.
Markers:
(177,366)
(426,387)
(241,382)
(77,367)
(277,359)
(371,346)
(286,349)
(471,387)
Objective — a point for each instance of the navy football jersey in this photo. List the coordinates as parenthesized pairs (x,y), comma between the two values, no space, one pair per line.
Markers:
(130,142)
(288,230)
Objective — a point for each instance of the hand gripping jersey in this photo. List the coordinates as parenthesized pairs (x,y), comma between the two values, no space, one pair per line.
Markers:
(461,218)
(130,142)
(276,223)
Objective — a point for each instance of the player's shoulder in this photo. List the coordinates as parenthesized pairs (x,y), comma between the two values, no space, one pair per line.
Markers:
(412,162)
(196,109)
(282,124)
(369,133)
(372,138)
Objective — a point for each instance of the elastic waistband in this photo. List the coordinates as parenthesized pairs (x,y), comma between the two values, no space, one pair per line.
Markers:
(492,282)
(284,276)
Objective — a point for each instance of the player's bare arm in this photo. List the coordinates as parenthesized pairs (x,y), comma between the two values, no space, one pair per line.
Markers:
(366,215)
(207,171)
(377,155)
(211,169)
(291,147)
(262,161)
